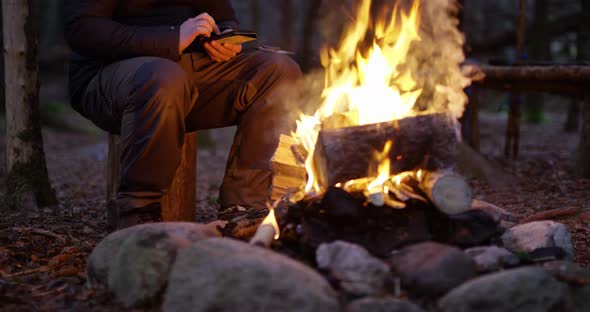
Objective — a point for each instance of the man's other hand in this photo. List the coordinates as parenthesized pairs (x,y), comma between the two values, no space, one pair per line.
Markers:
(222,52)
(202,24)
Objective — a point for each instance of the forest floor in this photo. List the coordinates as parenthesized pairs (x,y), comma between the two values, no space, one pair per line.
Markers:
(43,253)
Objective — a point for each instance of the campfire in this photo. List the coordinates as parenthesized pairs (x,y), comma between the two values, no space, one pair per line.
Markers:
(374,163)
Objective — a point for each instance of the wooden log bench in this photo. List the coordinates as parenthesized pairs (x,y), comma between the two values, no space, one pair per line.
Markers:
(566,80)
(181,201)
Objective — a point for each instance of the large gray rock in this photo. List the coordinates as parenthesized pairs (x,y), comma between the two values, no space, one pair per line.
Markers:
(228,275)
(357,271)
(541,234)
(432,268)
(577,279)
(139,272)
(492,258)
(103,254)
(528,289)
(382,305)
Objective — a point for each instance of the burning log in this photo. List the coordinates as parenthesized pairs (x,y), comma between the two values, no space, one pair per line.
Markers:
(427,141)
(447,191)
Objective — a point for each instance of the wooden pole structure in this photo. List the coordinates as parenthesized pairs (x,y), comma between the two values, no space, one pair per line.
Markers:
(512,143)
(567,80)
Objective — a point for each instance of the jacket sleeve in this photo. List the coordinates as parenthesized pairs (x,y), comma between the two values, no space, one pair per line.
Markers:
(91,31)
(221,10)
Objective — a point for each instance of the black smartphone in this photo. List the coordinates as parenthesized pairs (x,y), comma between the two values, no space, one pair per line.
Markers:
(227,36)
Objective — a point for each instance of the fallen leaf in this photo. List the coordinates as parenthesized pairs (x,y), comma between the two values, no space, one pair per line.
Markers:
(585,217)
(67,271)
(60,260)
(69,250)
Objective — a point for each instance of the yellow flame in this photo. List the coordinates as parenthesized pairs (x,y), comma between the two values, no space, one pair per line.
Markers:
(270,219)
(368,86)
(383,170)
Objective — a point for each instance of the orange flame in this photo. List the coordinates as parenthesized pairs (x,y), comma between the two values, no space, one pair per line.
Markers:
(383,170)
(271,220)
(366,87)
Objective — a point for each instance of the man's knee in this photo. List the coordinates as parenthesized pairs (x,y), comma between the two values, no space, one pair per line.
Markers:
(161,81)
(281,65)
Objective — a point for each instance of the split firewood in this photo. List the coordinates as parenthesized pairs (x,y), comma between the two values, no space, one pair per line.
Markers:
(284,162)
(426,141)
(287,166)
(449,192)
(550,214)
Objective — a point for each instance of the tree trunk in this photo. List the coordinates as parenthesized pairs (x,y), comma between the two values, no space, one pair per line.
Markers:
(255,15)
(287,25)
(540,50)
(2,81)
(572,123)
(584,149)
(26,166)
(423,142)
(584,54)
(309,28)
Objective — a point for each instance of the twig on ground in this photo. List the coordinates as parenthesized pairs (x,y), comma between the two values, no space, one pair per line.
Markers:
(27,272)
(550,214)
(38,232)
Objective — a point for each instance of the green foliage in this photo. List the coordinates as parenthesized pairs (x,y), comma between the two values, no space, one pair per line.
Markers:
(534,116)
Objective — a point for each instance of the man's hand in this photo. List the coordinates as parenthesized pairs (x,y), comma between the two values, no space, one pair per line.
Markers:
(222,52)
(203,24)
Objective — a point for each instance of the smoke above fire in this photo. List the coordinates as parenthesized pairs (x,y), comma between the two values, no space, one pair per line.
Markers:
(435,60)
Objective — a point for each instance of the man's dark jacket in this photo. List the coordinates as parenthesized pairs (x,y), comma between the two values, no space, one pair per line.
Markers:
(101,32)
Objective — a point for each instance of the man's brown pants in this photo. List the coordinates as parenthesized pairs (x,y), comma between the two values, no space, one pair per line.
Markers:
(152,102)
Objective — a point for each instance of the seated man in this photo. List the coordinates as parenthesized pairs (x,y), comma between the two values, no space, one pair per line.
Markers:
(129,76)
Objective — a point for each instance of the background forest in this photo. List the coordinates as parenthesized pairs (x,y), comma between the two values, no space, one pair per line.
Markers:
(553,36)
